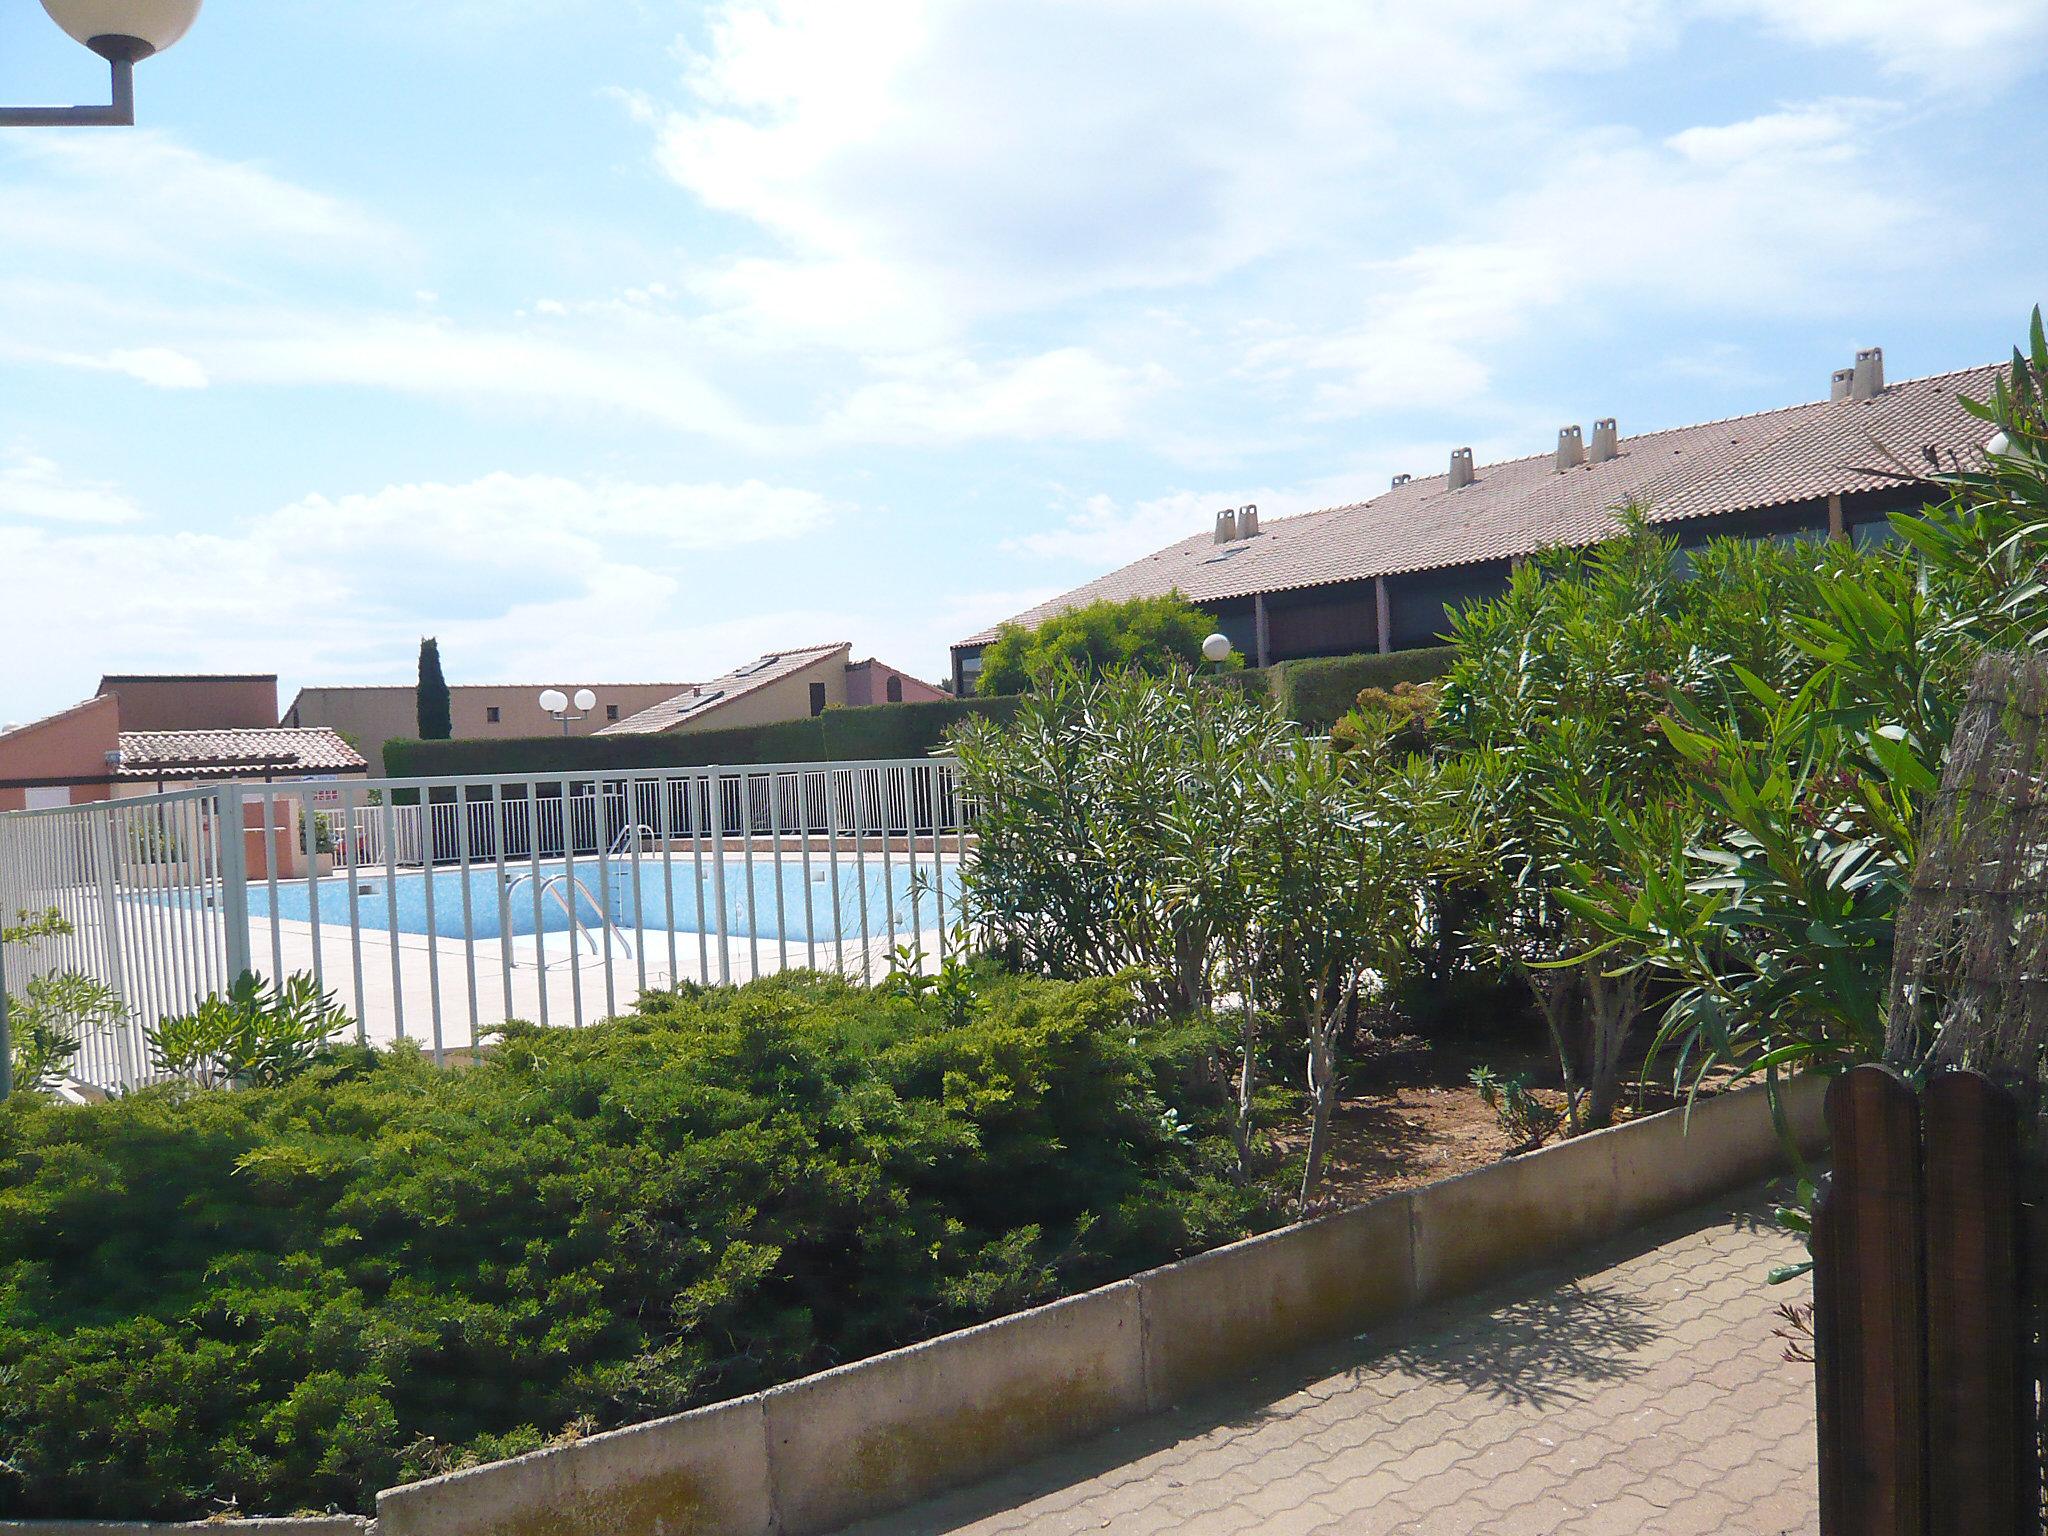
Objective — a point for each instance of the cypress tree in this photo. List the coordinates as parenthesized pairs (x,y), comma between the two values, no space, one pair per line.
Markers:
(432,696)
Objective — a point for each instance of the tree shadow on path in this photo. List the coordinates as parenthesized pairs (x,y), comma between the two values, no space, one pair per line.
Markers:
(1536,1351)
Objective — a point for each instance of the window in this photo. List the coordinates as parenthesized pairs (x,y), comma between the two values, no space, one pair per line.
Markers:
(817,698)
(611,711)
(491,714)
(895,690)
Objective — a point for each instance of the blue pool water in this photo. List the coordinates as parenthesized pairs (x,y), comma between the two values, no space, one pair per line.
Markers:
(682,898)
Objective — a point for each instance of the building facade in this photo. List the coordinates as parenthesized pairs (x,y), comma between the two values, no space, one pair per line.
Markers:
(781,685)
(372,715)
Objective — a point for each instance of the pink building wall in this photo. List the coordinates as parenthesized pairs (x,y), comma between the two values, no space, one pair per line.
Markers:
(867,682)
(66,750)
(194,703)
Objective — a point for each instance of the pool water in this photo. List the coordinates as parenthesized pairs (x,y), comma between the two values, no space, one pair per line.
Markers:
(772,901)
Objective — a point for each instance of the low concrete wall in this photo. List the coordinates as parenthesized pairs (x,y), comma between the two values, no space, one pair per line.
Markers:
(703,1473)
(811,1456)
(309,1525)
(882,1433)
(1223,1312)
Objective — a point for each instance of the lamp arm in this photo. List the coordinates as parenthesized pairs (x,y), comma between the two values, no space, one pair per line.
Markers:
(120,113)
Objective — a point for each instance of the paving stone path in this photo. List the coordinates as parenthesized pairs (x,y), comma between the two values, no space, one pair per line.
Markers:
(1639,1392)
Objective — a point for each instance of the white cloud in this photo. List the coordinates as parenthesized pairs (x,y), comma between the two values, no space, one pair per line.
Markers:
(922,163)
(1067,393)
(608,363)
(1741,218)
(523,574)
(1103,533)
(159,367)
(1945,42)
(141,197)
(32,486)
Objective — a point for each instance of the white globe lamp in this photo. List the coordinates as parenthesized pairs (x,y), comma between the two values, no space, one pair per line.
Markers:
(1216,648)
(585,700)
(1999,444)
(554,701)
(112,28)
(124,33)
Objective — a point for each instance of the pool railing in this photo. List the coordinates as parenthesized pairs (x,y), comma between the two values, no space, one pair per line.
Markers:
(436,909)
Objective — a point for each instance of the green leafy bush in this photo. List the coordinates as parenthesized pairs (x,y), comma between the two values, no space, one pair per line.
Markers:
(1317,692)
(1192,839)
(1525,1119)
(288,1297)
(1778,922)
(254,1033)
(50,1021)
(1154,635)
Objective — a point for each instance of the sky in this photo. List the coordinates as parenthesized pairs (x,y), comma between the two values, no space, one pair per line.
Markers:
(620,340)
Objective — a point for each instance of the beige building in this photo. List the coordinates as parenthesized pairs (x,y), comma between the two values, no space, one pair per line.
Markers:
(782,685)
(370,716)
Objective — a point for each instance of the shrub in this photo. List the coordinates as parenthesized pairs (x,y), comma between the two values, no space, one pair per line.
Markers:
(254,1033)
(288,1297)
(54,1015)
(1318,692)
(1153,635)
(1191,837)
(838,735)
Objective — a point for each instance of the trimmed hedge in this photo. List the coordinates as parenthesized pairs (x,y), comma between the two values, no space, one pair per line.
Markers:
(838,735)
(1317,692)
(1314,692)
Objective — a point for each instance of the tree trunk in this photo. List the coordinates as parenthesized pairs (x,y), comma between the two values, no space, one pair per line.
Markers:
(1614,1002)
(1322,1086)
(1247,1071)
(1561,999)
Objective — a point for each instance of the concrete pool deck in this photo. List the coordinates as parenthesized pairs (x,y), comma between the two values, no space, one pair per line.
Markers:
(442,967)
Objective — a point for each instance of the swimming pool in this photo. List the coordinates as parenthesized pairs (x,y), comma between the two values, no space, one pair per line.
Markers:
(772,900)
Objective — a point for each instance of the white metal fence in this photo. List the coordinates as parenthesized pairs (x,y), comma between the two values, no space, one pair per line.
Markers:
(436,909)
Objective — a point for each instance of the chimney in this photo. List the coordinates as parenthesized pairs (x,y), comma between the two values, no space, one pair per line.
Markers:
(1226,525)
(1868,380)
(1606,441)
(1571,448)
(1401,480)
(1248,522)
(1839,382)
(1461,467)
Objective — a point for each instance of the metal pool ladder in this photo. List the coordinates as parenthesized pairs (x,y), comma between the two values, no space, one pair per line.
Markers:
(552,886)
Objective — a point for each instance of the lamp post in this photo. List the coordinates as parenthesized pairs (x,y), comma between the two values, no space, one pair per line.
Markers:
(124,33)
(556,703)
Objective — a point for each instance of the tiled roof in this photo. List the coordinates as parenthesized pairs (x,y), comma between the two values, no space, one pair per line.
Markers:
(475,687)
(1772,458)
(709,697)
(276,749)
(187,677)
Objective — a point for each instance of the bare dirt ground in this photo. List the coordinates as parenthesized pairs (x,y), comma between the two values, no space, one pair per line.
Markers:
(1410,1115)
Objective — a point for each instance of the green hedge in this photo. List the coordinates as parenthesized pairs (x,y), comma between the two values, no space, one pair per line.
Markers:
(838,735)
(1318,692)
(287,1298)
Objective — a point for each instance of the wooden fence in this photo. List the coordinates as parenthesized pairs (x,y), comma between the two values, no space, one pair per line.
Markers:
(1925,1323)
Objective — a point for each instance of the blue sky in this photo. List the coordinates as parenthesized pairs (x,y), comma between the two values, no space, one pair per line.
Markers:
(613,340)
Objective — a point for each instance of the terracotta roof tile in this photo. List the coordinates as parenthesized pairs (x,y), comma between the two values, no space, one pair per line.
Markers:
(1772,458)
(276,749)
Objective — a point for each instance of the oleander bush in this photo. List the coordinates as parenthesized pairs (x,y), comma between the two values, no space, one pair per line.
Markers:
(287,1297)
